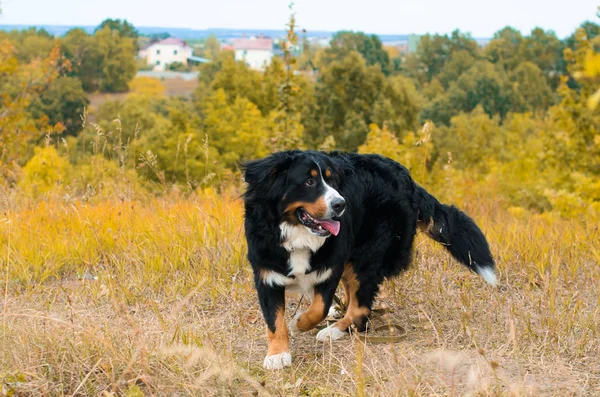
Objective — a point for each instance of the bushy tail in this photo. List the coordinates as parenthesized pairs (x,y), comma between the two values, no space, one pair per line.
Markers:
(457,232)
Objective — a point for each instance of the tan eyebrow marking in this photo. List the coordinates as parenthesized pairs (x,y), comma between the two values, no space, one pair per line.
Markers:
(314,173)
(327,172)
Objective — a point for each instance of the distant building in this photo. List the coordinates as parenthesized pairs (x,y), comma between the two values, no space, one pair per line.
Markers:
(322,42)
(413,43)
(167,51)
(255,51)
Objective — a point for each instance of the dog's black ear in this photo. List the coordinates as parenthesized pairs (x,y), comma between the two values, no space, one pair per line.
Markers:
(266,177)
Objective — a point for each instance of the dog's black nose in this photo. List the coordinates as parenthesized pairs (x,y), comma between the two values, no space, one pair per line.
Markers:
(338,205)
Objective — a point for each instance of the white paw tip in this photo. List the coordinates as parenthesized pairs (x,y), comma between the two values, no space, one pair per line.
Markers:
(488,275)
(278,361)
(330,333)
(294,331)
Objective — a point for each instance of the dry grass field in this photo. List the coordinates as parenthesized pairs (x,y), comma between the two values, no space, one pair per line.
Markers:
(154,296)
(173,87)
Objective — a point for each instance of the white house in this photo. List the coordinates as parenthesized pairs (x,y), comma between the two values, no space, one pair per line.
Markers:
(256,52)
(167,51)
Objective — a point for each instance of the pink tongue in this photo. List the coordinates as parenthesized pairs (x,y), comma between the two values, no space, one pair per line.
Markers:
(332,226)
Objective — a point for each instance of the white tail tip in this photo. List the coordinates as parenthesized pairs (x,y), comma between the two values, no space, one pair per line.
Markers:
(488,275)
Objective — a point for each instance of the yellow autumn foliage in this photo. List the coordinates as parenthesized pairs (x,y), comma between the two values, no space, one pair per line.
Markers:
(46,171)
(147,86)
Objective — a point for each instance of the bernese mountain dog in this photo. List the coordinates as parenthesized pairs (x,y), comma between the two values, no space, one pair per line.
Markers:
(313,219)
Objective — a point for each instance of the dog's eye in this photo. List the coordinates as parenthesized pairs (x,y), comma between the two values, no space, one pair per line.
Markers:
(310,182)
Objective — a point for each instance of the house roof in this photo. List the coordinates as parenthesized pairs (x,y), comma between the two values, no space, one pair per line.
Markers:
(253,44)
(171,41)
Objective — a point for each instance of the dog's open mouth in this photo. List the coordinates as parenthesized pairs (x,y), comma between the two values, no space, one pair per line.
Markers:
(320,227)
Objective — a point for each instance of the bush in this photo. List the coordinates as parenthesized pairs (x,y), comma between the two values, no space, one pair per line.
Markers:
(46,171)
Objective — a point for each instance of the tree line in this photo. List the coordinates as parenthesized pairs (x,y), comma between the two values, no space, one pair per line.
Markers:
(512,116)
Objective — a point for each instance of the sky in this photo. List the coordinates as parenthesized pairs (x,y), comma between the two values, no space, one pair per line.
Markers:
(481,18)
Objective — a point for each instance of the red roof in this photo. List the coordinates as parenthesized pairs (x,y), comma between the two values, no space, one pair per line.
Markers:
(253,44)
(173,41)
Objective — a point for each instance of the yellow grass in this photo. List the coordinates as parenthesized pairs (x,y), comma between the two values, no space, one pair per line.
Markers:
(155,297)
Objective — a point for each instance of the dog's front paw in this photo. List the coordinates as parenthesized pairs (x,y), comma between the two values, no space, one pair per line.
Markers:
(278,361)
(330,333)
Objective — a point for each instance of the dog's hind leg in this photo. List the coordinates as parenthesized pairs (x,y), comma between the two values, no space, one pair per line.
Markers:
(357,310)
(317,311)
(310,318)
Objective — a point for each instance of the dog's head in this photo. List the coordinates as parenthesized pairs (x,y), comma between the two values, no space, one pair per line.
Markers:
(303,184)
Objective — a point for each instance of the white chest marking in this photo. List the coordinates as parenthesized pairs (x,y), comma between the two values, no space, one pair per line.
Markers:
(296,237)
(301,244)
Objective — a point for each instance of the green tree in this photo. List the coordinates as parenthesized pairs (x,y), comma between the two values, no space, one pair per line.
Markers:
(237,130)
(20,84)
(383,142)
(159,36)
(532,92)
(272,79)
(441,108)
(209,70)
(398,106)
(415,70)
(503,49)
(137,113)
(433,89)
(178,142)
(236,79)
(411,152)
(345,94)
(104,61)
(575,145)
(85,56)
(212,47)
(63,101)
(160,136)
(545,50)
(591,30)
(369,46)
(435,51)
(118,55)
(457,63)
(473,139)
(124,28)
(483,84)
(350,95)
(31,43)
(307,59)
